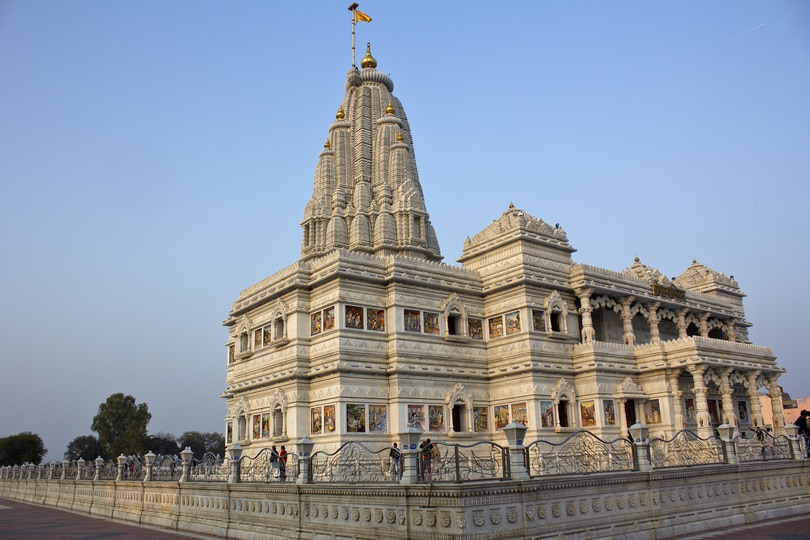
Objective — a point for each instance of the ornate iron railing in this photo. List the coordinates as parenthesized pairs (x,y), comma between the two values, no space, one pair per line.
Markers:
(683,449)
(581,452)
(167,468)
(465,463)
(209,469)
(763,446)
(265,467)
(352,463)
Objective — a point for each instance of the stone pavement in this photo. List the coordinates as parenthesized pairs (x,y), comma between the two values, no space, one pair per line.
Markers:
(22,521)
(793,528)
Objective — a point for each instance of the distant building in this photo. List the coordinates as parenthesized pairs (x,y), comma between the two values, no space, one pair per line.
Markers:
(369,332)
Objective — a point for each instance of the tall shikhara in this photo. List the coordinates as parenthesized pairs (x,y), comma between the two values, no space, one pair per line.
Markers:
(366,195)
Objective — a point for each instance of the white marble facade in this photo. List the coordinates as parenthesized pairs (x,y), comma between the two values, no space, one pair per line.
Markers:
(369,331)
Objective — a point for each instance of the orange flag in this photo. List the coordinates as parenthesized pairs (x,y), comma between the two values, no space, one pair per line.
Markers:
(362,16)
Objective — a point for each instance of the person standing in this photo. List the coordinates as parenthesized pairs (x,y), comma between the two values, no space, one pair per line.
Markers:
(396,462)
(804,430)
(282,463)
(426,451)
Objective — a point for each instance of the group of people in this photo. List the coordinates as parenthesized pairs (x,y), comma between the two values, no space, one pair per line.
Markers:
(428,452)
(279,459)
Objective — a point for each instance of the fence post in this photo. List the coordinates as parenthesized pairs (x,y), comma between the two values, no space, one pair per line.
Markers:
(792,433)
(515,432)
(641,446)
(726,431)
(122,462)
(99,465)
(235,452)
(65,465)
(305,447)
(79,467)
(410,455)
(186,456)
(150,462)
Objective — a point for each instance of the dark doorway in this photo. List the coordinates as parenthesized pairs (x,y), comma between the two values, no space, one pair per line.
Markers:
(630,412)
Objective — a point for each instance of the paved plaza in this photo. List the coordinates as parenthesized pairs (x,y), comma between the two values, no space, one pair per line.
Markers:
(20,520)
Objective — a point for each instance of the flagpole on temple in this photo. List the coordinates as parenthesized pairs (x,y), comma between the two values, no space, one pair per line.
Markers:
(353,9)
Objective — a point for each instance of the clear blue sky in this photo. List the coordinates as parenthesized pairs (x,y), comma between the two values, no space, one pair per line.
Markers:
(156,157)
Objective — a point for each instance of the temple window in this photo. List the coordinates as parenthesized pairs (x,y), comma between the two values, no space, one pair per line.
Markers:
(555,319)
(459,417)
(278,422)
(692,330)
(454,326)
(243,342)
(278,328)
(231,353)
(562,412)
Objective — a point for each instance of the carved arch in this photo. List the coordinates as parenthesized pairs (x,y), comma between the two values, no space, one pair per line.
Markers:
(563,389)
(605,302)
(711,377)
(738,378)
(280,311)
(555,302)
(279,401)
(453,304)
(459,394)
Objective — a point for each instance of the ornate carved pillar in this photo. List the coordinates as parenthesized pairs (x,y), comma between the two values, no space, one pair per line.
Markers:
(620,414)
(680,323)
(726,391)
(655,335)
(704,327)
(776,403)
(753,398)
(588,332)
(627,320)
(704,419)
(680,420)
(730,333)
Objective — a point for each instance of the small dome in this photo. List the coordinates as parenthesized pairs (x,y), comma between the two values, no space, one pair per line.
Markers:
(368,60)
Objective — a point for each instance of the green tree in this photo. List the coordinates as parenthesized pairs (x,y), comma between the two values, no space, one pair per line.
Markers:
(25,447)
(163,444)
(121,426)
(86,447)
(201,443)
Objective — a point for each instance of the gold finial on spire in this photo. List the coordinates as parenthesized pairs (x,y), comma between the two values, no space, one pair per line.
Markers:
(511,206)
(327,145)
(399,137)
(368,60)
(637,259)
(340,114)
(389,109)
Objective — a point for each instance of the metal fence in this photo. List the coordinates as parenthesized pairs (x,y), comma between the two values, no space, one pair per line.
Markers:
(267,466)
(353,463)
(465,463)
(582,452)
(685,448)
(763,446)
(209,469)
